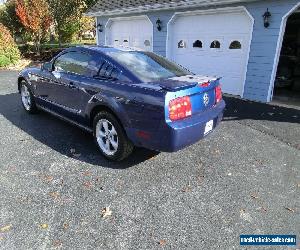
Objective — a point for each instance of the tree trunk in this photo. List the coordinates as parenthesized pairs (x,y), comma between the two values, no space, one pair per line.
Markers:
(38,44)
(59,38)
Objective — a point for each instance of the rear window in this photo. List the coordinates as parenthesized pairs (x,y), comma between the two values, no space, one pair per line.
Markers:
(148,66)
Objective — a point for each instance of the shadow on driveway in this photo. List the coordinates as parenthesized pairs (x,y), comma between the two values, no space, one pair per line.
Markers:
(62,136)
(237,109)
(279,122)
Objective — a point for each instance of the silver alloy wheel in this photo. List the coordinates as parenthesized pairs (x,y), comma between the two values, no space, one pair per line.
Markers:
(26,97)
(107,137)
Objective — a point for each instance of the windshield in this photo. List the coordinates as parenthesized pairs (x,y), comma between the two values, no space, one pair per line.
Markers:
(148,66)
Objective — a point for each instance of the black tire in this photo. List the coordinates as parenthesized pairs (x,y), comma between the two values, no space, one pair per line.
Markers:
(29,108)
(125,146)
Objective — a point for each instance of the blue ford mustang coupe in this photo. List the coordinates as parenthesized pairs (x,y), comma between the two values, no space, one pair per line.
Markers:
(125,97)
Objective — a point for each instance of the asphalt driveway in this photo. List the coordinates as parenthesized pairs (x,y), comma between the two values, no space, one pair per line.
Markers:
(243,179)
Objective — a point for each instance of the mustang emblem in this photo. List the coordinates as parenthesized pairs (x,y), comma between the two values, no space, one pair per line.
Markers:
(205,99)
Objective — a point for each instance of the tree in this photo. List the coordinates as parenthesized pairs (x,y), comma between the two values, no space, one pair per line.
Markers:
(87,25)
(34,16)
(90,3)
(9,52)
(9,18)
(66,16)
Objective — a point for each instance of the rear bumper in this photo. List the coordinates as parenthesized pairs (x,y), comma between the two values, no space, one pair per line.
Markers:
(174,136)
(184,133)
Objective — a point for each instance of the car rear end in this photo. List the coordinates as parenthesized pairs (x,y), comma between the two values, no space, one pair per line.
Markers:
(191,113)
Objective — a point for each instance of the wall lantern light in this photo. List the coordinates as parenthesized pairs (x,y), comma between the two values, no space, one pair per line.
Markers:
(267,15)
(158,23)
(100,27)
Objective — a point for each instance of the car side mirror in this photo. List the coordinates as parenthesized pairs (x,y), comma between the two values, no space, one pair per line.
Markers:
(47,66)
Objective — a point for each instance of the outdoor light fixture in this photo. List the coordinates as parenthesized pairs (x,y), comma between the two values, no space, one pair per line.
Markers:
(100,27)
(267,17)
(158,23)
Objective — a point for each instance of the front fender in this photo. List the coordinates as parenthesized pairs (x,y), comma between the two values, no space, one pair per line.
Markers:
(29,75)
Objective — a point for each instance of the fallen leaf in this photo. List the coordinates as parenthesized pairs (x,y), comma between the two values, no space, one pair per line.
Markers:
(200,178)
(1,238)
(48,178)
(254,196)
(217,151)
(57,243)
(87,173)
(263,209)
(87,184)
(5,228)
(66,225)
(106,212)
(44,226)
(54,195)
(290,209)
(162,242)
(186,189)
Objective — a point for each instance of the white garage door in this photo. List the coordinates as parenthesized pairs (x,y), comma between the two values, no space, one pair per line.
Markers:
(134,32)
(215,44)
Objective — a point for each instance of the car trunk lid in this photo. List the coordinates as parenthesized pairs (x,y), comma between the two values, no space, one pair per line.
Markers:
(200,89)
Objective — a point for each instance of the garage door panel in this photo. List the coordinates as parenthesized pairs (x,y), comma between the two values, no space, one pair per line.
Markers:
(224,43)
(136,32)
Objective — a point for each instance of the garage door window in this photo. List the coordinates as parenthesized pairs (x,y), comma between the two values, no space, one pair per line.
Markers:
(181,44)
(235,45)
(215,45)
(197,44)
(125,42)
(147,43)
(116,42)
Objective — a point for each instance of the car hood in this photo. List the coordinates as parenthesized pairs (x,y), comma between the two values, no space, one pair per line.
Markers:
(182,82)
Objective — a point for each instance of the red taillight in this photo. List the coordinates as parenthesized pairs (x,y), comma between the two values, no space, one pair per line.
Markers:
(180,108)
(205,84)
(218,93)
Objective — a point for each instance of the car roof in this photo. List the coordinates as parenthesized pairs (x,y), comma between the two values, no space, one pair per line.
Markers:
(105,49)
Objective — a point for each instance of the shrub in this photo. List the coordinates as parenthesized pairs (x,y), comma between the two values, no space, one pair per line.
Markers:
(4,61)
(9,52)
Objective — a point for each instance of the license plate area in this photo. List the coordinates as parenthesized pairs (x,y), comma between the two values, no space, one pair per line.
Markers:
(209,127)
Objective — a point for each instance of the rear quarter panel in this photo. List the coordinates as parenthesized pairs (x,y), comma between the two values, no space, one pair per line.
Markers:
(137,107)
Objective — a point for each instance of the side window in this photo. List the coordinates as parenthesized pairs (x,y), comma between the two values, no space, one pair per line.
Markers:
(75,62)
(215,45)
(108,71)
(197,44)
(102,69)
(181,44)
(235,45)
(62,63)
